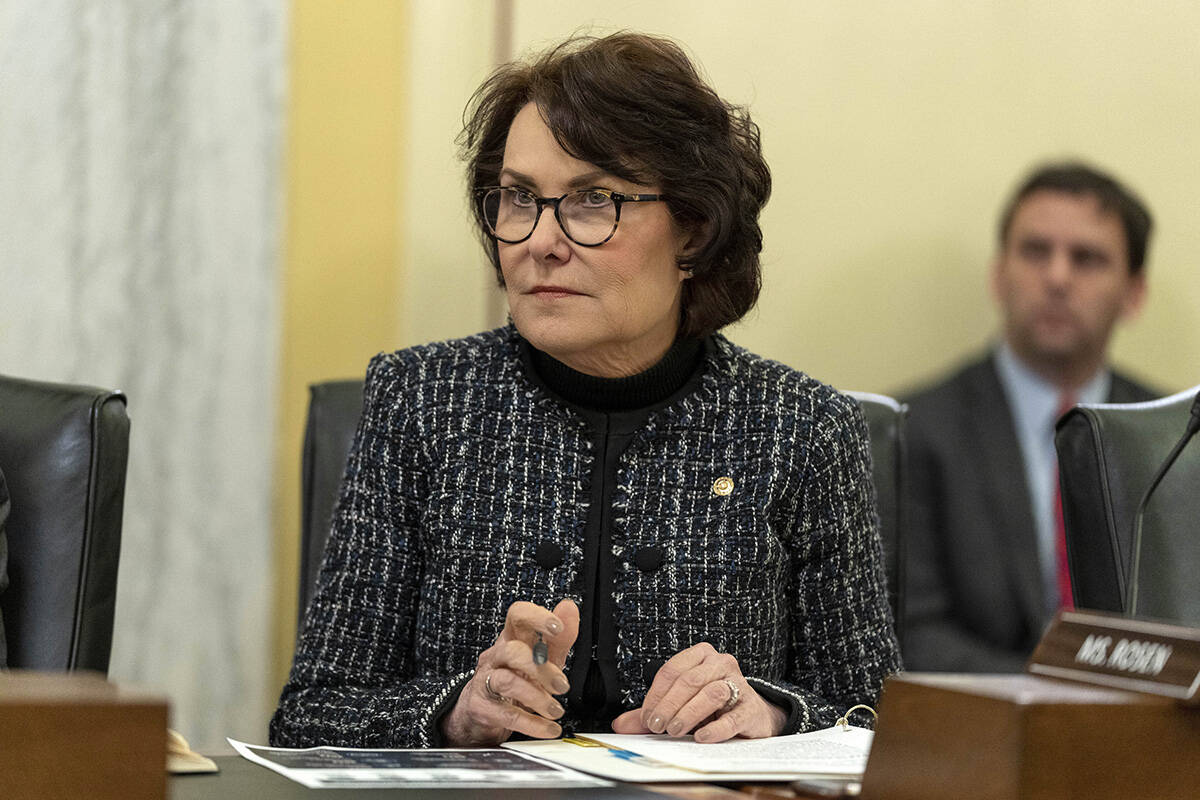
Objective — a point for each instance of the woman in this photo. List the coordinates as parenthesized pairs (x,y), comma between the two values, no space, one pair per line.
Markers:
(700,519)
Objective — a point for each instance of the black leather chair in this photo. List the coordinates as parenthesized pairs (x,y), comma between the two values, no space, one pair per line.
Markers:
(63,452)
(885,425)
(1107,456)
(335,406)
(333,411)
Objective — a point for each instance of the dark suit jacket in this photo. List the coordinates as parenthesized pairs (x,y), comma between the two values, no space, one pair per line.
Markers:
(974,596)
(3,563)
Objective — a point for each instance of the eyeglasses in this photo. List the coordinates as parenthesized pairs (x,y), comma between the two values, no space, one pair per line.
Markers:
(588,217)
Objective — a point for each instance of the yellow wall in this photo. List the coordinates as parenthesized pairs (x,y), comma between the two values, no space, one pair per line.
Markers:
(447,284)
(342,275)
(895,131)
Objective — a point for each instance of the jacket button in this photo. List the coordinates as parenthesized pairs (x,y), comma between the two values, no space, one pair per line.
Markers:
(549,554)
(648,559)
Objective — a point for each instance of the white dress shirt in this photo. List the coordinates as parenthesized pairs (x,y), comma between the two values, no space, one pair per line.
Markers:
(1034,403)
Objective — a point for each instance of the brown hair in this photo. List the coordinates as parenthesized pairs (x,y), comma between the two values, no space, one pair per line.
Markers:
(1077,178)
(635,106)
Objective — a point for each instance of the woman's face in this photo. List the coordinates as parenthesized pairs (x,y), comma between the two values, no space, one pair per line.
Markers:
(611,310)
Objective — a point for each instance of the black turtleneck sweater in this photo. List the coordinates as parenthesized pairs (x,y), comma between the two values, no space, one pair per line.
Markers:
(614,409)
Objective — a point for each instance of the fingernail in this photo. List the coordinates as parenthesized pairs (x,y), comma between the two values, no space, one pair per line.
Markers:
(675,727)
(702,735)
(561,686)
(556,711)
(554,626)
(657,723)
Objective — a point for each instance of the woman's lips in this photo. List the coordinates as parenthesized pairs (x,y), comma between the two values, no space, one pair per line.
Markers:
(553,291)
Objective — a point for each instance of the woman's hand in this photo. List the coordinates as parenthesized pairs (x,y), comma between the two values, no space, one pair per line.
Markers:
(704,691)
(508,691)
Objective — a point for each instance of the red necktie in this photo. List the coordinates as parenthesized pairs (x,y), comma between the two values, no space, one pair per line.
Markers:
(1065,598)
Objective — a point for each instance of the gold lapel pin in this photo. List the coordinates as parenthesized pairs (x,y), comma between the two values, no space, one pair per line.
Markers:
(723,486)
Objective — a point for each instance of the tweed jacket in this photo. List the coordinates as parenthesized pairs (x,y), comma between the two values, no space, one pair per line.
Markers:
(462,466)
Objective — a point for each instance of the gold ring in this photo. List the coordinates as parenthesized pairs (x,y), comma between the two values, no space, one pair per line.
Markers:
(492,693)
(735,694)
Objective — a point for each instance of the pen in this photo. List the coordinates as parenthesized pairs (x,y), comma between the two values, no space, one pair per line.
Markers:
(540,651)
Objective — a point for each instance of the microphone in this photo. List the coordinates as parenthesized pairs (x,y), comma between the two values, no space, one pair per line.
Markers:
(1193,425)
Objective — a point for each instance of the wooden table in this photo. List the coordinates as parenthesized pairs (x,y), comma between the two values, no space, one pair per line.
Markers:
(239,778)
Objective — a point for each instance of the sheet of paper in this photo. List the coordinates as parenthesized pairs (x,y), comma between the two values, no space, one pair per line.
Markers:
(334,767)
(624,765)
(833,751)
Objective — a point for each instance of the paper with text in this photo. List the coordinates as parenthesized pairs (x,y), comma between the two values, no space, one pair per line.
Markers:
(335,767)
(833,751)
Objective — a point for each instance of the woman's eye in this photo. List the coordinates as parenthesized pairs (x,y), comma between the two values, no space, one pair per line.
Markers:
(595,199)
(520,197)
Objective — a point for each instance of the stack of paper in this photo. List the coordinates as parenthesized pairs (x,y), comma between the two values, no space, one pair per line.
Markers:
(831,753)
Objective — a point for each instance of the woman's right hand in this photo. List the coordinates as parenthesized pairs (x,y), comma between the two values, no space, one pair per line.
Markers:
(521,692)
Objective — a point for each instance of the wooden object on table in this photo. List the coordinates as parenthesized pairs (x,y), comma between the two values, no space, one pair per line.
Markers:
(1112,650)
(182,760)
(1023,737)
(75,735)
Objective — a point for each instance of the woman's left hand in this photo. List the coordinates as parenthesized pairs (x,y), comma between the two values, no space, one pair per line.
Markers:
(702,690)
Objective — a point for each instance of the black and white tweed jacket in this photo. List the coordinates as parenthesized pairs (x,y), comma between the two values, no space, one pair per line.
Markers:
(461,467)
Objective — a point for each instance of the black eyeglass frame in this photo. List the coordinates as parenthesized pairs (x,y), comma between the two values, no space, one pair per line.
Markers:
(618,199)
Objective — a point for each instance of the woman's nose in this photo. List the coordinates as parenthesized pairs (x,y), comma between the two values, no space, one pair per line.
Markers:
(548,242)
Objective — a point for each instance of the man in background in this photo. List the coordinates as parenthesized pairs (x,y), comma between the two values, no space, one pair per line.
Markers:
(986,565)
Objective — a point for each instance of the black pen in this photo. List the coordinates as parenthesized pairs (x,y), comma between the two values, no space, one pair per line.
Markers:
(540,651)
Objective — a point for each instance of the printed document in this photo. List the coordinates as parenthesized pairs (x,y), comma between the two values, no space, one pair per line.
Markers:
(347,767)
(831,753)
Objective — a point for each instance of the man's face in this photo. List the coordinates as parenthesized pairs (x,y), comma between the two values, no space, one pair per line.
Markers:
(1062,280)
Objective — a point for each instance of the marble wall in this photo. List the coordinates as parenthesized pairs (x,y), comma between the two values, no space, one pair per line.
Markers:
(140,206)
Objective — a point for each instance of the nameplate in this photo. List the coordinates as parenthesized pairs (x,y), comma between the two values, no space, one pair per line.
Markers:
(75,735)
(1132,654)
(1026,737)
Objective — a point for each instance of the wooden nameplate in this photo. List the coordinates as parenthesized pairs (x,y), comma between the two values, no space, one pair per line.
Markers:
(1024,737)
(75,735)
(1112,650)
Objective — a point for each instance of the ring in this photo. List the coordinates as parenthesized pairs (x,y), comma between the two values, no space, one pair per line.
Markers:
(492,693)
(735,694)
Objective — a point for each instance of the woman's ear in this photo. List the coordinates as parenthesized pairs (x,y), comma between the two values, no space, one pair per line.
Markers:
(690,241)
